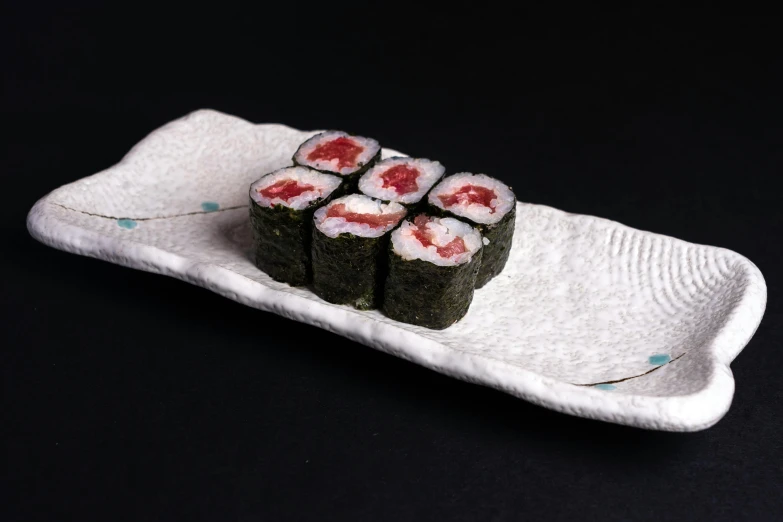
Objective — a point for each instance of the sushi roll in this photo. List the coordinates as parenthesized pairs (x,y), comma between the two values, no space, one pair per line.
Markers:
(335,152)
(403,180)
(433,263)
(350,238)
(486,203)
(282,204)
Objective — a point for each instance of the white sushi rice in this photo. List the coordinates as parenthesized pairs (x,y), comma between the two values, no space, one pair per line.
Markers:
(359,204)
(475,212)
(442,232)
(371,183)
(324,184)
(371,148)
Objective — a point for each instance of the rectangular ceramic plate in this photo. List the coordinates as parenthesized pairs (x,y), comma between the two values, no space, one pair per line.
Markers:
(589,317)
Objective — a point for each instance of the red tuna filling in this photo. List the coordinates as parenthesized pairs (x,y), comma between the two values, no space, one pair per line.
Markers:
(468,194)
(401,178)
(374,220)
(421,232)
(344,150)
(285,189)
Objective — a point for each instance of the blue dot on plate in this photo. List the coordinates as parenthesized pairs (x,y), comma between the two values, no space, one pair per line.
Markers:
(127,223)
(209,206)
(605,387)
(659,359)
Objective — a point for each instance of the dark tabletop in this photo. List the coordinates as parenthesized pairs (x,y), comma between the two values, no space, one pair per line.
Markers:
(128,395)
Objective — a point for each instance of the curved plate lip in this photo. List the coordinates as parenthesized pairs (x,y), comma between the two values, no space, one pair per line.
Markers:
(691,412)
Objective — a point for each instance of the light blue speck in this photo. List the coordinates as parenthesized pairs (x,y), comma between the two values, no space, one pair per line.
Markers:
(127,223)
(659,359)
(605,387)
(209,206)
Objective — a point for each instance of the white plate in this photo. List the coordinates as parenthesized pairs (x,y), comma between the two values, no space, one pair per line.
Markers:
(589,317)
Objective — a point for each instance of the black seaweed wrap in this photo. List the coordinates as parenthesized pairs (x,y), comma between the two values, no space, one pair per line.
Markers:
(349,269)
(422,293)
(282,240)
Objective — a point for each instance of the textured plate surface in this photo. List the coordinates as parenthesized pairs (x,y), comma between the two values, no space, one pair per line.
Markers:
(590,317)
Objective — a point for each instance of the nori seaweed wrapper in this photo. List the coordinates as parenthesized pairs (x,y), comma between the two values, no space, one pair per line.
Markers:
(499,235)
(425,294)
(282,239)
(349,269)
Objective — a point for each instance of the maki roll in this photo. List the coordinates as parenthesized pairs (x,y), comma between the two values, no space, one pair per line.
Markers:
(282,204)
(403,180)
(433,263)
(350,238)
(335,152)
(486,203)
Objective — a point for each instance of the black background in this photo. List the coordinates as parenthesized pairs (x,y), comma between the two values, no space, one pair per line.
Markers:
(131,395)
